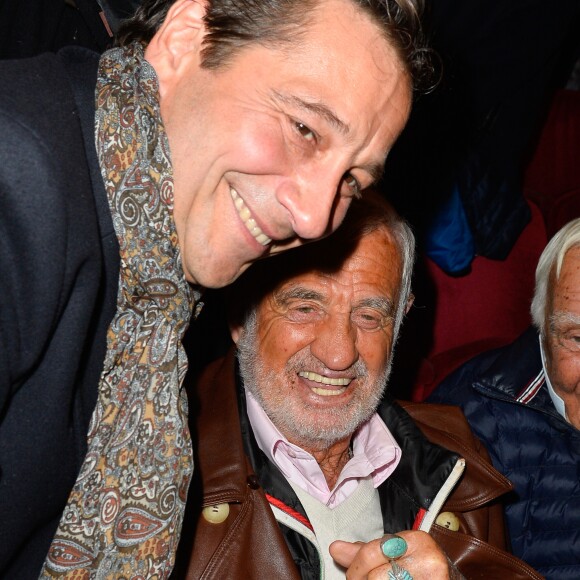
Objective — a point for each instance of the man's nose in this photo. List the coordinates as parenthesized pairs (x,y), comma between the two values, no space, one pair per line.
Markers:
(335,343)
(312,200)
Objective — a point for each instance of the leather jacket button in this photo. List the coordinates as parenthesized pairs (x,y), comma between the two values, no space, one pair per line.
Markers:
(448,520)
(216,514)
(253,482)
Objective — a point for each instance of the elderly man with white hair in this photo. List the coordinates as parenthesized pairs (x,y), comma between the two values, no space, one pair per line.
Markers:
(523,401)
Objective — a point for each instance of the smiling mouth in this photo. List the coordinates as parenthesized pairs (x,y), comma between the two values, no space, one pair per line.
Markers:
(342,384)
(248,220)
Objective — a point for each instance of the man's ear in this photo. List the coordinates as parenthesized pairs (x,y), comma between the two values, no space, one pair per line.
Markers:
(410,301)
(235,332)
(178,40)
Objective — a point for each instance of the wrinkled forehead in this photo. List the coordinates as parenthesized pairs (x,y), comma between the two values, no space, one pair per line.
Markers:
(373,262)
(566,286)
(563,296)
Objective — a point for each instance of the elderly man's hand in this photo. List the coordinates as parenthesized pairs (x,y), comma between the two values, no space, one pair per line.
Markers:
(423,559)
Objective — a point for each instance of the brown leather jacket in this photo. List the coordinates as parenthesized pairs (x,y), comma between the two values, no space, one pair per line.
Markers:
(249,542)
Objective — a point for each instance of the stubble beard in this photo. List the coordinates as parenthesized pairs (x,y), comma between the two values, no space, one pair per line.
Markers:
(303,424)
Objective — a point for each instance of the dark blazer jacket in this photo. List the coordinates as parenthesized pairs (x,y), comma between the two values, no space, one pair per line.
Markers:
(58,282)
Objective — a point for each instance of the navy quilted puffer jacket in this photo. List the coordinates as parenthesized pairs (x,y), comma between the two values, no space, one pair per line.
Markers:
(504,395)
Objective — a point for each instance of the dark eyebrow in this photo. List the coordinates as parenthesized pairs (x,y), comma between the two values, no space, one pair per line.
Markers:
(319,109)
(384,305)
(375,170)
(297,292)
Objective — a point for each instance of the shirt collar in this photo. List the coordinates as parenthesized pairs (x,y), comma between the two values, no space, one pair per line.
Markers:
(556,399)
(376,454)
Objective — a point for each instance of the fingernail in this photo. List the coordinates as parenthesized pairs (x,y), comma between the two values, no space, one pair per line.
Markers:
(394,547)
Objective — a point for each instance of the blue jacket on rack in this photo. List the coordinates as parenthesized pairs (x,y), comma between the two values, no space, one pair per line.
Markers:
(504,396)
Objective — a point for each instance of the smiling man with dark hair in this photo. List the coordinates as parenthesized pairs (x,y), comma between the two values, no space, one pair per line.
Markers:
(218,132)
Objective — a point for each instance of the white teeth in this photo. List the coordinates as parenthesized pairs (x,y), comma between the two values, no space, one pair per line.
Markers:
(245,215)
(324,380)
(328,392)
(248,220)
(342,383)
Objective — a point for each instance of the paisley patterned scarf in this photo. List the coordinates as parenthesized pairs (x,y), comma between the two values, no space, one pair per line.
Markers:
(124,514)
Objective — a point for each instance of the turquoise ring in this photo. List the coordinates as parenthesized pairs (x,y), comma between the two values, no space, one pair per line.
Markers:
(394,547)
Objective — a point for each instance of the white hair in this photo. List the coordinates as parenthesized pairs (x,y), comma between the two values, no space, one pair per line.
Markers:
(405,241)
(550,264)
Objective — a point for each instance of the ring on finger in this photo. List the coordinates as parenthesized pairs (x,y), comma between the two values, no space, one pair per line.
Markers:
(394,547)
(398,572)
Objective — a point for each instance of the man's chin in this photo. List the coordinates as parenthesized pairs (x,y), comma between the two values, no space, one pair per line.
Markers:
(318,434)
(324,441)
(215,277)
